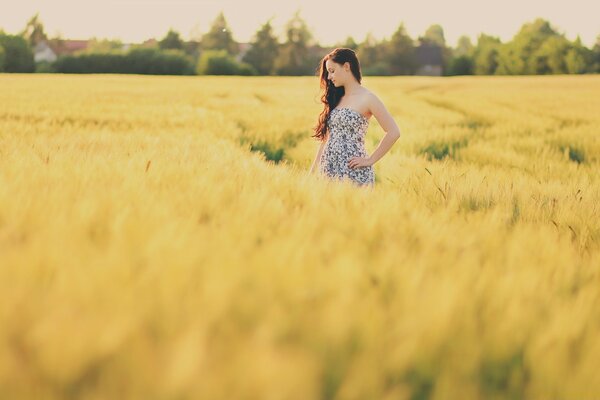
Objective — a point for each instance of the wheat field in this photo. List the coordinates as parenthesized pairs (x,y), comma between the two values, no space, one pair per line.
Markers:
(161,238)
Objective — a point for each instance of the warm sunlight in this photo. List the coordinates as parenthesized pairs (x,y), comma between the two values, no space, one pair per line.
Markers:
(299,200)
(330,21)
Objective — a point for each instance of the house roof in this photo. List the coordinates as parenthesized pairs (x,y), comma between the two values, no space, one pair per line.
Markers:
(67,46)
(74,45)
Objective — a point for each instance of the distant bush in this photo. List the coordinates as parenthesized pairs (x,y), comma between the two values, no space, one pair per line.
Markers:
(2,58)
(380,68)
(17,54)
(137,61)
(247,69)
(219,62)
(44,67)
(462,65)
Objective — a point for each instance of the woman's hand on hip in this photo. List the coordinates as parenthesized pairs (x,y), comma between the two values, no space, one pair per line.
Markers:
(357,162)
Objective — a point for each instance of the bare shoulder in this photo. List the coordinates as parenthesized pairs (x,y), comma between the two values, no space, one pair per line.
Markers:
(373,102)
(381,113)
(372,98)
(367,93)
(367,99)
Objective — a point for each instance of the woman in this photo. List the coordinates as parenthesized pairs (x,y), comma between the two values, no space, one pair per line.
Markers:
(344,121)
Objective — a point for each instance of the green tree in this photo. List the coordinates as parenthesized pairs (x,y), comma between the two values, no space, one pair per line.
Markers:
(294,56)
(219,62)
(461,65)
(434,35)
(18,56)
(172,40)
(595,67)
(485,55)
(400,52)
(2,58)
(264,50)
(34,31)
(372,57)
(464,47)
(219,37)
(558,55)
(349,43)
(516,56)
(549,58)
(192,48)
(579,59)
(461,62)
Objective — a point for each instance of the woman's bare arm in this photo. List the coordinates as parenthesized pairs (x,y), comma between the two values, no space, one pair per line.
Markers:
(313,167)
(387,123)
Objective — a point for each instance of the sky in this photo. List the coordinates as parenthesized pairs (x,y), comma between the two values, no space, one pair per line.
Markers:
(330,21)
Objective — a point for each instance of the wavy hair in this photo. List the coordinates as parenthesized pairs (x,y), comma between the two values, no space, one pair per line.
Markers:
(332,95)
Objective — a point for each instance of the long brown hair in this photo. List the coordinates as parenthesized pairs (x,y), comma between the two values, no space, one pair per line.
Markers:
(332,95)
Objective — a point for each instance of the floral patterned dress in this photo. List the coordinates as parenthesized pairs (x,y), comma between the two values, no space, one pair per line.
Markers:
(347,129)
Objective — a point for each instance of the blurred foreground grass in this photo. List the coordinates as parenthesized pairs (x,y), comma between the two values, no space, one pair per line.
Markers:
(160,239)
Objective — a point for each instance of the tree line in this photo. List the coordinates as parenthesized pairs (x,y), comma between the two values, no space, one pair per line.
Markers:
(537,48)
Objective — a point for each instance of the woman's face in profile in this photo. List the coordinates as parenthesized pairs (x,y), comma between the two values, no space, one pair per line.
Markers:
(335,73)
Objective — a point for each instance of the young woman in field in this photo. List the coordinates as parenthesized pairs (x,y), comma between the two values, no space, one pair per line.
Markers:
(344,121)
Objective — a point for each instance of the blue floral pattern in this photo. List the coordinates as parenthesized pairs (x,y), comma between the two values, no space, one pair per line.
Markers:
(347,130)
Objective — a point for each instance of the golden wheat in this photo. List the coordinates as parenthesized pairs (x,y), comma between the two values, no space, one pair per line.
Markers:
(160,238)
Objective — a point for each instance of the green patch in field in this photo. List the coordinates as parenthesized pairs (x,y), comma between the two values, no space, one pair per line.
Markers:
(442,149)
(504,378)
(570,151)
(272,153)
(474,123)
(421,381)
(292,138)
(570,122)
(242,125)
(336,362)
(516,212)
(575,154)
(473,203)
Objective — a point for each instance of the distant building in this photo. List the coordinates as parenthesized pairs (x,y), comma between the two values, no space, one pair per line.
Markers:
(72,46)
(50,50)
(243,49)
(429,60)
(42,52)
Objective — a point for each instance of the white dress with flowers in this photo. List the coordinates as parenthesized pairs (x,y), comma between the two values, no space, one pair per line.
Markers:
(347,130)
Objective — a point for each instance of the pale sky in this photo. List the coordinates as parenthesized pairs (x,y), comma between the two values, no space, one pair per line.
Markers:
(329,20)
